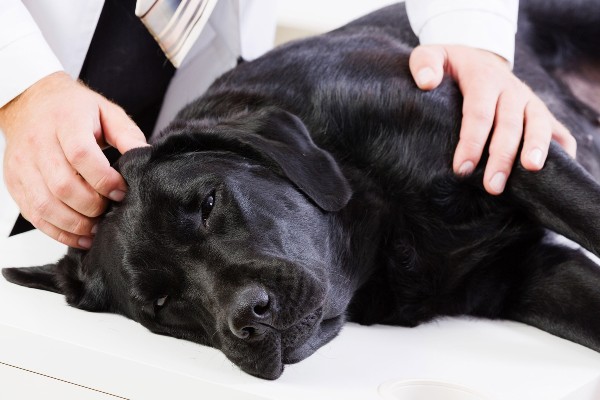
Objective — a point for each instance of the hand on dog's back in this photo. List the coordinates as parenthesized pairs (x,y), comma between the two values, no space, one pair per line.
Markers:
(54,167)
(494,99)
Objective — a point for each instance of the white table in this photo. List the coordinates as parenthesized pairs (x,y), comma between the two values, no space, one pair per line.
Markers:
(105,353)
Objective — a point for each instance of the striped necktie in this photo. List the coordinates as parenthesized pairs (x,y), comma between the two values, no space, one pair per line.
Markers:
(175,24)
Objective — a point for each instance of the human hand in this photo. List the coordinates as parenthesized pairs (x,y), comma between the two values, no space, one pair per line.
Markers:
(54,167)
(493,97)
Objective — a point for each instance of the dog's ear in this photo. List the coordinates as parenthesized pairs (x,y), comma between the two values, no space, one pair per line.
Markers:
(34,277)
(283,138)
(274,136)
(129,164)
(67,277)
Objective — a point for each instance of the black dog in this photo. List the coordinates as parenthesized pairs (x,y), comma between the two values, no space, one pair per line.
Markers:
(315,184)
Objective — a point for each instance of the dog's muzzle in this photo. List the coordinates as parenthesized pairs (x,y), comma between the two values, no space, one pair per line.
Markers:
(259,345)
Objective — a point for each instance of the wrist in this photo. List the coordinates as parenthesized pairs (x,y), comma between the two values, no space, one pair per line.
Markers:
(9,113)
(476,55)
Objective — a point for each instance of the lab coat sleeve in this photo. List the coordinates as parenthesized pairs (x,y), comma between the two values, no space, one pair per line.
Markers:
(485,24)
(25,57)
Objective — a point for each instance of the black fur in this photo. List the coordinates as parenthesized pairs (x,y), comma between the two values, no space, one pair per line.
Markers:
(315,183)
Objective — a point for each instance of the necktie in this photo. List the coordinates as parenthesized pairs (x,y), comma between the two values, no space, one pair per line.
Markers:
(175,24)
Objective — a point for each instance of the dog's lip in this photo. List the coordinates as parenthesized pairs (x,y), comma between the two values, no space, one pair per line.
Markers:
(321,333)
(300,331)
(293,344)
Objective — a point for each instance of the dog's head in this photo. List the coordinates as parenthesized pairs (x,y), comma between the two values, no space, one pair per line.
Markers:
(223,239)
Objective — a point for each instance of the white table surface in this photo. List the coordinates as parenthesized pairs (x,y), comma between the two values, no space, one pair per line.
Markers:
(40,334)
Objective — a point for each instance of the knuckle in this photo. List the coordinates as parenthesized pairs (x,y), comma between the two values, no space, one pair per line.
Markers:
(537,109)
(101,184)
(64,238)
(62,187)
(480,115)
(502,158)
(62,113)
(516,84)
(96,208)
(541,118)
(487,69)
(471,147)
(31,141)
(473,141)
(77,155)
(35,219)
(40,207)
(512,123)
(79,226)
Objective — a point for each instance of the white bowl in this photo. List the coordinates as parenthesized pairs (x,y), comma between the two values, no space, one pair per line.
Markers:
(421,389)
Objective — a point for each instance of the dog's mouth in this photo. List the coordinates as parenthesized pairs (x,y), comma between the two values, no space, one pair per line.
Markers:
(298,337)
(320,334)
(265,357)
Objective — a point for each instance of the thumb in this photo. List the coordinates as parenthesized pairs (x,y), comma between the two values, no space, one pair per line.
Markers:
(427,66)
(119,130)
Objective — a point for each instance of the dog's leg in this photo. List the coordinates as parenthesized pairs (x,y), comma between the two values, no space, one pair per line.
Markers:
(562,196)
(559,292)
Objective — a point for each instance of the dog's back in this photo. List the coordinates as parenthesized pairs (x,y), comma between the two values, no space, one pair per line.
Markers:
(362,68)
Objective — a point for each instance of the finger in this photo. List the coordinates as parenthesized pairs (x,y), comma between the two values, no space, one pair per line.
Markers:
(82,152)
(69,187)
(39,208)
(479,107)
(60,216)
(70,239)
(564,138)
(538,133)
(119,130)
(427,66)
(506,140)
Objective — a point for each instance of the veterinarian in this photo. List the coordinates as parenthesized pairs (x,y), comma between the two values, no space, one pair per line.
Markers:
(55,125)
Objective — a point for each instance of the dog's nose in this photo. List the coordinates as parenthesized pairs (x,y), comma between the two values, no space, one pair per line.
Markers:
(250,314)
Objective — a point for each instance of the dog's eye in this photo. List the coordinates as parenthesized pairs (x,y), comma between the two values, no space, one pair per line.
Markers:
(207,206)
(160,302)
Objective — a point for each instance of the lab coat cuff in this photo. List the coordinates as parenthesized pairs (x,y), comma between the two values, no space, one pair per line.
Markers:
(473,28)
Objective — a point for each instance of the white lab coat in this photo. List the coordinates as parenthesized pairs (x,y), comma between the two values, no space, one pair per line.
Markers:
(39,37)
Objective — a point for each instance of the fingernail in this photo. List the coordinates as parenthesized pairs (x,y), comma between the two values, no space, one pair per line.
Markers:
(535,156)
(466,168)
(498,181)
(425,76)
(84,242)
(116,195)
(94,229)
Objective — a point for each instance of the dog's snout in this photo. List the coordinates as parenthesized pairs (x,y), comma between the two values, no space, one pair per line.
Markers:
(250,314)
